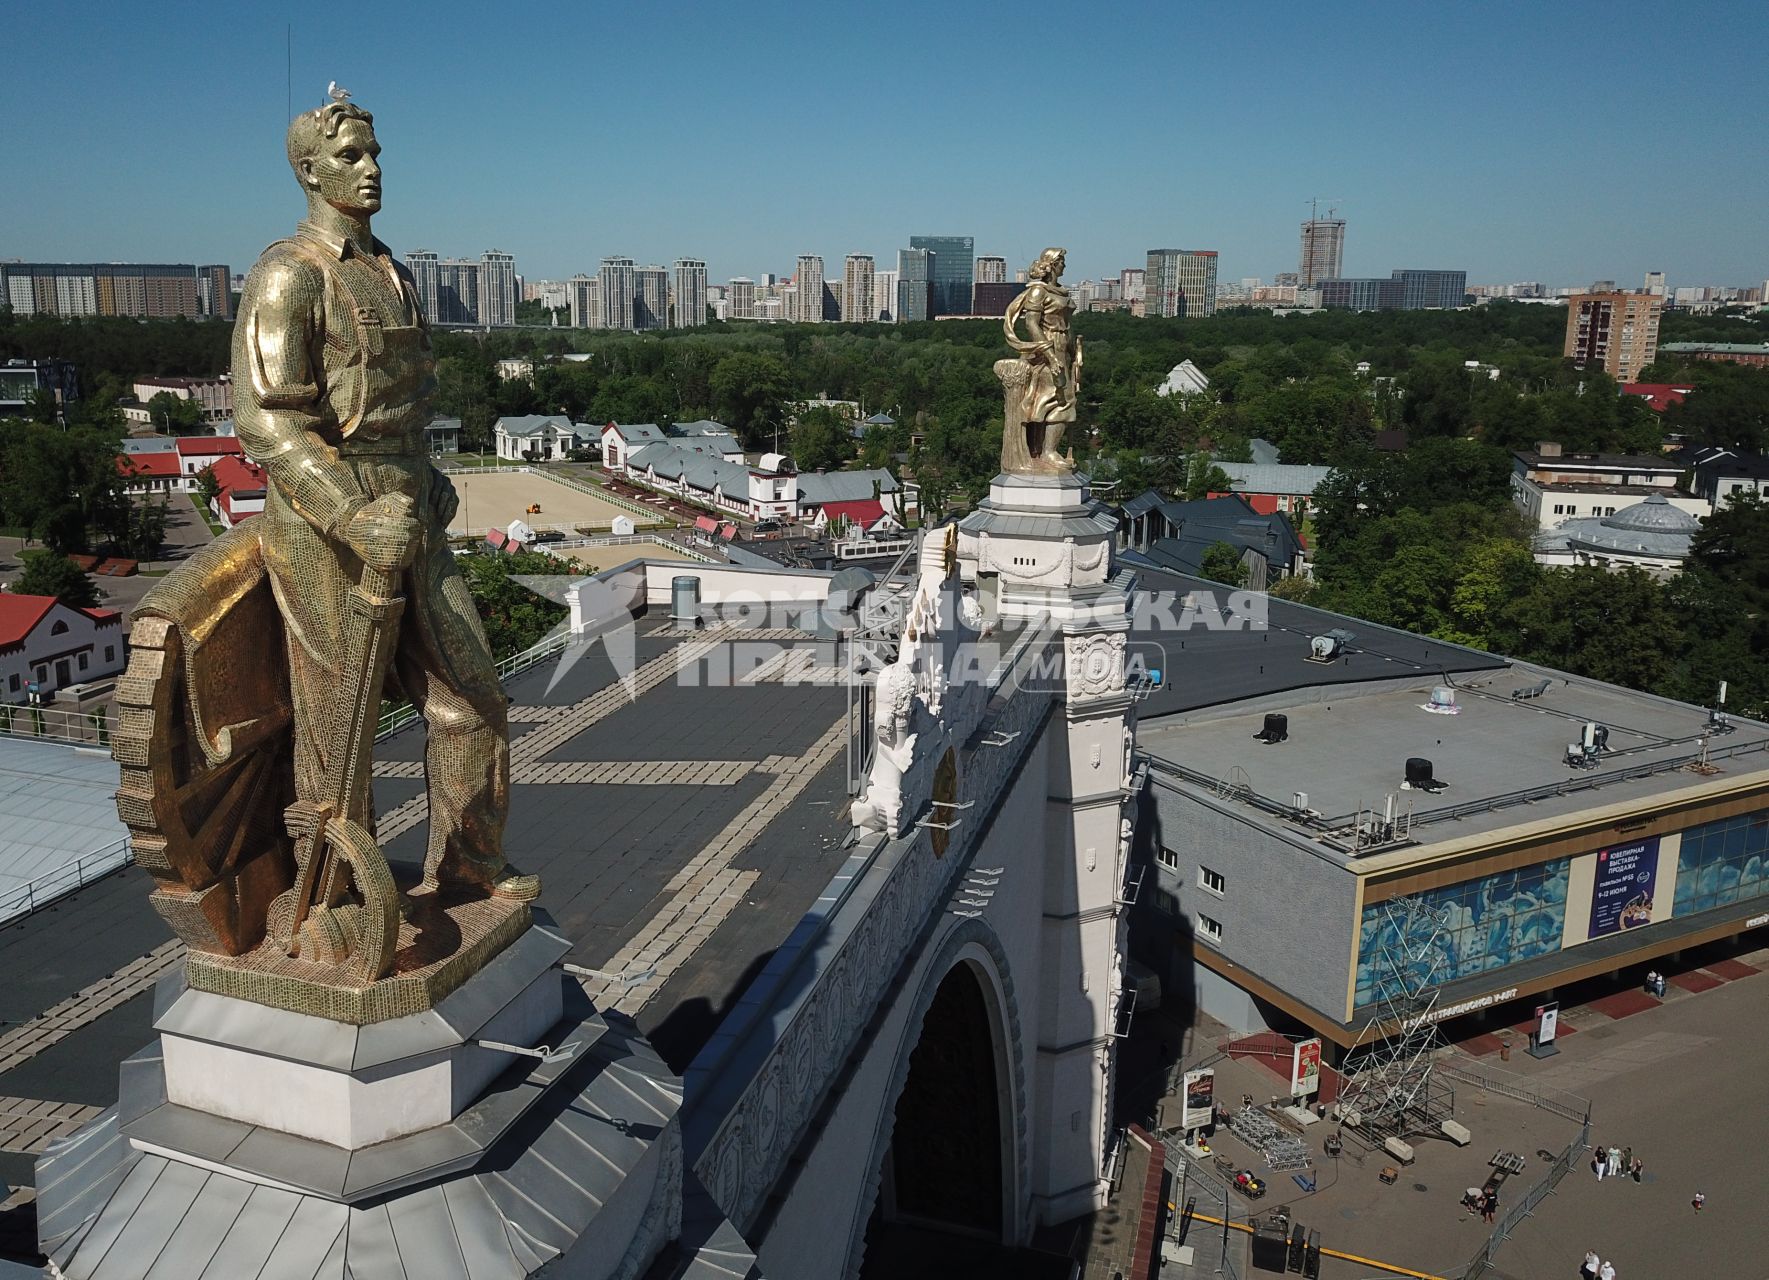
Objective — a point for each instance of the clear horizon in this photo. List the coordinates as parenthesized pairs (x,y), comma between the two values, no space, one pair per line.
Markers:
(1447,140)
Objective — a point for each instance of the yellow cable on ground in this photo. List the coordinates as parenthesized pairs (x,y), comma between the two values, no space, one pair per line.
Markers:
(1326,1253)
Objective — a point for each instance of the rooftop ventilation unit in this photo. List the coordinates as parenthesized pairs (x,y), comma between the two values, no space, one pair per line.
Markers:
(1275,729)
(1329,645)
(1535,690)
(1442,703)
(1592,743)
(1419,777)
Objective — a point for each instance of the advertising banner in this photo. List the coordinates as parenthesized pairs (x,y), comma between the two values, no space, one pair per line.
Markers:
(1305,1068)
(1200,1099)
(1622,889)
(1548,1023)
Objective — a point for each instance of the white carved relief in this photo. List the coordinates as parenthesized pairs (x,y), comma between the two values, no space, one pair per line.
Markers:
(1095,663)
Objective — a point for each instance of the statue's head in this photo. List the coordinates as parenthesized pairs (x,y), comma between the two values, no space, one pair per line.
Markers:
(1049,266)
(333,151)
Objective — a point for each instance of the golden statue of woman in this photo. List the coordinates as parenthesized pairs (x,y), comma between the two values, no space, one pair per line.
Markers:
(1043,382)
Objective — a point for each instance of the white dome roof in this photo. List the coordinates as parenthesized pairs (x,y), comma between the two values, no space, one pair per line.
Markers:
(1655,515)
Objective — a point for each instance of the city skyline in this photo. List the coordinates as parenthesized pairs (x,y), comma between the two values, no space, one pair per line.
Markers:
(1469,169)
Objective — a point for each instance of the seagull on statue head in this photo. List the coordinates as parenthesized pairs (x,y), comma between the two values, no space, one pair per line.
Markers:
(337,93)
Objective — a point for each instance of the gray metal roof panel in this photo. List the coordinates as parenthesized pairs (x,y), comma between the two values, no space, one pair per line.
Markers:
(427,1236)
(151,1227)
(479,1228)
(86,1257)
(200,1237)
(254,1234)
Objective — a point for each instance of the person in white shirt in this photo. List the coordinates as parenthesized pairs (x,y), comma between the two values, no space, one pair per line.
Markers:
(1589,1270)
(1606,1272)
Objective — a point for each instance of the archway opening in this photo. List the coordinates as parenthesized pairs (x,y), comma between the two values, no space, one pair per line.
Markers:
(942,1182)
(943,1169)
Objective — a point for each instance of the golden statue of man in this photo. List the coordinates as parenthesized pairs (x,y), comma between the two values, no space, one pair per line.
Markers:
(333,376)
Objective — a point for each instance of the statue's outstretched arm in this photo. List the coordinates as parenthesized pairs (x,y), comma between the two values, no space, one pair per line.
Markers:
(277,412)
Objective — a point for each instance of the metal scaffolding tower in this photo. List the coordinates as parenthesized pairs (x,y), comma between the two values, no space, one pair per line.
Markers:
(1395,1091)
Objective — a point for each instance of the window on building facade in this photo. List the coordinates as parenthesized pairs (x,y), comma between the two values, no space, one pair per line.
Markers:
(13,688)
(1211,880)
(1488,923)
(1166,903)
(110,653)
(1168,857)
(60,628)
(1723,862)
(1211,929)
(42,675)
(82,662)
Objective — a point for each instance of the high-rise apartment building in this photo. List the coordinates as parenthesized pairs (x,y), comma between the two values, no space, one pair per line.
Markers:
(137,290)
(1130,283)
(1323,251)
(1616,330)
(1180,282)
(884,295)
(1655,283)
(651,298)
(951,272)
(1431,290)
(1406,289)
(425,276)
(915,285)
(497,289)
(808,302)
(586,301)
(457,292)
(858,276)
(743,298)
(991,297)
(215,291)
(991,270)
(618,286)
(690,293)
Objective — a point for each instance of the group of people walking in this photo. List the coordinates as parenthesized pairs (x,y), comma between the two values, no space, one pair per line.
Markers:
(1616,1162)
(1595,1270)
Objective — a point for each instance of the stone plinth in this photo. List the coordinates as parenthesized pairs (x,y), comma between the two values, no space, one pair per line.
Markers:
(253,1142)
(1039,545)
(442,940)
(348,1085)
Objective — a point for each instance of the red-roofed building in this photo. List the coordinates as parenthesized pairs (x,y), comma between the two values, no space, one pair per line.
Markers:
(176,470)
(866,514)
(1659,396)
(197,452)
(47,642)
(242,490)
(152,472)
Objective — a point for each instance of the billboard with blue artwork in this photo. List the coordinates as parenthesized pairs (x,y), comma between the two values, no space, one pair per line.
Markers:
(1623,885)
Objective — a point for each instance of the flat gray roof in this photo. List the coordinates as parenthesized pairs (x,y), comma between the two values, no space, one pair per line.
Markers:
(57,806)
(1503,759)
(1207,660)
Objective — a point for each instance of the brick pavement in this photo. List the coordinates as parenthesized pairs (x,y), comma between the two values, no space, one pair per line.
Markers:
(703,894)
(528,748)
(87,1005)
(28,1125)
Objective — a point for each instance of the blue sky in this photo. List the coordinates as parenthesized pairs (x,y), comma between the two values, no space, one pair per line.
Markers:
(1560,142)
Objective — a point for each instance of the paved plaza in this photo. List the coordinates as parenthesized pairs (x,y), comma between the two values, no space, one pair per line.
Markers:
(491,499)
(1677,1081)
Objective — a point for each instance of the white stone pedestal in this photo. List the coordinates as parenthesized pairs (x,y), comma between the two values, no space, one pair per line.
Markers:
(355,1086)
(1040,545)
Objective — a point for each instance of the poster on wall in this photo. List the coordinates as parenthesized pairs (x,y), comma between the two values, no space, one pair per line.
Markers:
(1621,892)
(1200,1099)
(1305,1068)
